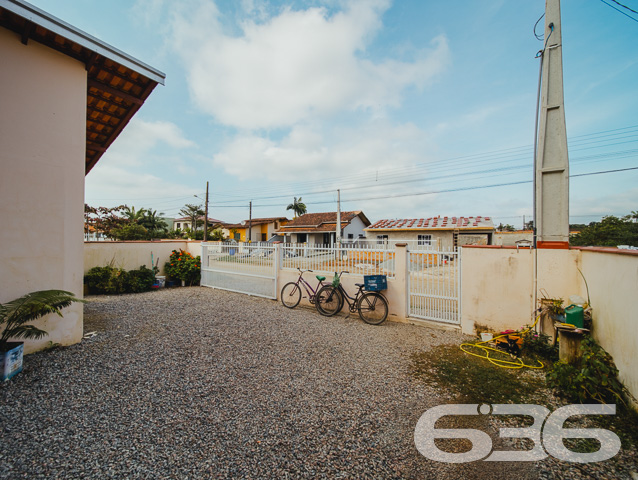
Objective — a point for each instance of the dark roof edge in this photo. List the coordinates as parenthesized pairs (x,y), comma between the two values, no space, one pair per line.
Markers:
(60,27)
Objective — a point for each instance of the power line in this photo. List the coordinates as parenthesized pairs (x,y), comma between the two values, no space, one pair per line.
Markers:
(620,11)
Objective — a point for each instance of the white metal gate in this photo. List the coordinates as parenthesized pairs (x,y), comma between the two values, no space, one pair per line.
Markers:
(434,291)
(250,269)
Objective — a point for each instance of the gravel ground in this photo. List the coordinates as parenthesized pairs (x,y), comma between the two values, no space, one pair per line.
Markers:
(201,383)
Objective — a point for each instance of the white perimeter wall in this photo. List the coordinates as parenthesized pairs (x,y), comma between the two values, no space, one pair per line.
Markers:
(131,255)
(497,291)
(42,146)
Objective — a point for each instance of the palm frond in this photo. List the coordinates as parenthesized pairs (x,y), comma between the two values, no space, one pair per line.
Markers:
(31,307)
(25,331)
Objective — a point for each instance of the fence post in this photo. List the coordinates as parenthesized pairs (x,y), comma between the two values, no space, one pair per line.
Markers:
(402,280)
(278,259)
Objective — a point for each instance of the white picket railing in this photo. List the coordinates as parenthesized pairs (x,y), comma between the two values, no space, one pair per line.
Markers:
(241,268)
(435,285)
(331,258)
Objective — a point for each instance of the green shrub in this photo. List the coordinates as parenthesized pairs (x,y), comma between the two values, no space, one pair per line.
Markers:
(539,345)
(139,280)
(183,266)
(593,377)
(112,281)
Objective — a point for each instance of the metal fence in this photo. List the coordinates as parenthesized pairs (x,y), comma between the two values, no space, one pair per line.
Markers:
(243,268)
(332,258)
(435,285)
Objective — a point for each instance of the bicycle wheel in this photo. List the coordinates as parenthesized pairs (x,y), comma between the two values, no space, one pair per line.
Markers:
(328,301)
(291,295)
(373,308)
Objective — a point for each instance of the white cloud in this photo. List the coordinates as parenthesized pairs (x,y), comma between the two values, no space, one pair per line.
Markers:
(139,137)
(308,153)
(296,65)
(131,166)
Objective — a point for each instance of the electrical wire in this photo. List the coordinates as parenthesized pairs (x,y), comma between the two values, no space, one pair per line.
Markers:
(624,6)
(538,37)
(620,11)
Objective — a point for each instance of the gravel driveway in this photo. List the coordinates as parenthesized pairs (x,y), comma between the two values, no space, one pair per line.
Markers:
(201,383)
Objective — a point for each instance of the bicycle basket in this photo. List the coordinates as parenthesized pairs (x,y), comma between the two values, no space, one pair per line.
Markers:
(375,283)
(336,281)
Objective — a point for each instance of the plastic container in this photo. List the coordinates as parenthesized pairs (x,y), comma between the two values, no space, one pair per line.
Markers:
(160,281)
(575,315)
(375,283)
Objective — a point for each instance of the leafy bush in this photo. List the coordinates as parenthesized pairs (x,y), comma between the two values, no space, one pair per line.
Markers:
(130,232)
(539,345)
(183,266)
(594,377)
(140,280)
(112,281)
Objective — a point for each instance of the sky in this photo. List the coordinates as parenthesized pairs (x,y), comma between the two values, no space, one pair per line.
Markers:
(411,108)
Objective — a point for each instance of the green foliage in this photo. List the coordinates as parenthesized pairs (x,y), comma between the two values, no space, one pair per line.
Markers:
(14,314)
(505,228)
(133,231)
(610,232)
(297,207)
(195,214)
(593,377)
(183,266)
(113,281)
(539,345)
(140,280)
(216,235)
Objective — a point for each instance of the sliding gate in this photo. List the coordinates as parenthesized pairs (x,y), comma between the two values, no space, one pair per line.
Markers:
(250,269)
(435,285)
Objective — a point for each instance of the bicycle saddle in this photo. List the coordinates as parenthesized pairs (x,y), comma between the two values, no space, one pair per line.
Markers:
(320,278)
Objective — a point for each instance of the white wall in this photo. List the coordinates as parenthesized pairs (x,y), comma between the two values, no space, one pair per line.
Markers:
(497,285)
(42,155)
(130,255)
(613,287)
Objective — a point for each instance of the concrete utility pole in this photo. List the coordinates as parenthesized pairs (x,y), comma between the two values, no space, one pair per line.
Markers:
(551,189)
(206,216)
(250,222)
(338,233)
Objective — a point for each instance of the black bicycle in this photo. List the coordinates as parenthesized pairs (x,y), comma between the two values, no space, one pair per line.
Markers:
(371,306)
(291,293)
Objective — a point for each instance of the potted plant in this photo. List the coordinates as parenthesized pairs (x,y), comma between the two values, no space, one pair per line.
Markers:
(14,317)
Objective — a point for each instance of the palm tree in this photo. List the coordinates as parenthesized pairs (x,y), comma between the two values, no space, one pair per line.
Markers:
(153,221)
(297,207)
(194,213)
(132,215)
(14,314)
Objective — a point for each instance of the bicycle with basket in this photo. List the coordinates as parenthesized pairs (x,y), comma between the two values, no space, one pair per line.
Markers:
(371,305)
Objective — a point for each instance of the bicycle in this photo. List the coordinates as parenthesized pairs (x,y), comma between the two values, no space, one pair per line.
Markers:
(291,292)
(371,306)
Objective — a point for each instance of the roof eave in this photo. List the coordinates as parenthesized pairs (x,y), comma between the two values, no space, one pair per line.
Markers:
(60,27)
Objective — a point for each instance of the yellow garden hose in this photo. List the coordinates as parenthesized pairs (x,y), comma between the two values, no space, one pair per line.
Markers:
(498,362)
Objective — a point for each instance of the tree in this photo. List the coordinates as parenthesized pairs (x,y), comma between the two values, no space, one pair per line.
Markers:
(154,223)
(103,219)
(506,228)
(132,215)
(194,213)
(132,231)
(297,207)
(609,232)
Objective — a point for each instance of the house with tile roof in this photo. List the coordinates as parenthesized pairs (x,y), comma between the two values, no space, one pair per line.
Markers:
(321,228)
(438,232)
(184,223)
(254,229)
